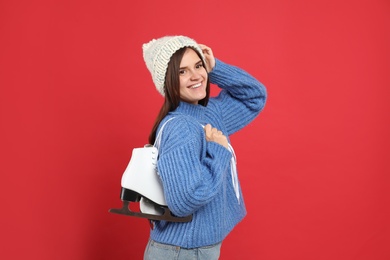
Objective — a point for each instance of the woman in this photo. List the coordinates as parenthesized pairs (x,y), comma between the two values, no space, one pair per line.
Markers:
(196,162)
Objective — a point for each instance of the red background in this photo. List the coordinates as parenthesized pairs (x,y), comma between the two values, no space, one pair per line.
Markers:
(76,98)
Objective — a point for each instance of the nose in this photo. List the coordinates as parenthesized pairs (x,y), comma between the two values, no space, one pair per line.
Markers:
(195,75)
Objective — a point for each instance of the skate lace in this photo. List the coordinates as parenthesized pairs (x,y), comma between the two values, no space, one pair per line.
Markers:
(233,172)
(157,142)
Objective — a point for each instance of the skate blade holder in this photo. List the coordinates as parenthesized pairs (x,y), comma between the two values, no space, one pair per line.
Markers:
(148,209)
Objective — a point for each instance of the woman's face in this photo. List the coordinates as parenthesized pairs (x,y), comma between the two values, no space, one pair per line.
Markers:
(193,77)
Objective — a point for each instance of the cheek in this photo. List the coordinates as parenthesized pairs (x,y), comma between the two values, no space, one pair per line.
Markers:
(182,82)
(205,74)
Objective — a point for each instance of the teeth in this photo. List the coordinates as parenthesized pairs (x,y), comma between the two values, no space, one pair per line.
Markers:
(196,85)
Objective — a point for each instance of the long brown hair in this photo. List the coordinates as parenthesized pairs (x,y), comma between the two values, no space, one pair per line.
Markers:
(172,90)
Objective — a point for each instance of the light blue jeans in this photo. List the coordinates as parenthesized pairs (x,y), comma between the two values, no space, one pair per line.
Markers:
(158,251)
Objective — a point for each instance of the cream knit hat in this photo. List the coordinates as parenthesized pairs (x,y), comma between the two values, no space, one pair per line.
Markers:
(158,52)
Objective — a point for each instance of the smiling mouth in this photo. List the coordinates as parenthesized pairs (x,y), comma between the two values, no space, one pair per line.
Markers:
(196,85)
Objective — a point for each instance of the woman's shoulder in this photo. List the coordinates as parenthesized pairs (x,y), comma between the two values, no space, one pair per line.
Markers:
(181,130)
(179,123)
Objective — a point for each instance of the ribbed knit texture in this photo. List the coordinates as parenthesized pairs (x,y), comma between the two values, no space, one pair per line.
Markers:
(196,173)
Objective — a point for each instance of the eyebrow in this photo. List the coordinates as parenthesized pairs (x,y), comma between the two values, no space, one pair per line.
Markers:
(200,61)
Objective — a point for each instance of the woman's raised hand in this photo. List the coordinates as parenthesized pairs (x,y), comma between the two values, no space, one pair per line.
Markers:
(209,56)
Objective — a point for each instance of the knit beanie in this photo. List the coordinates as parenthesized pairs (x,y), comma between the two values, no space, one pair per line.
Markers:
(158,52)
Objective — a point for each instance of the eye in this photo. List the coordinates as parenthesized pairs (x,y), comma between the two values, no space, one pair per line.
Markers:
(182,72)
(199,65)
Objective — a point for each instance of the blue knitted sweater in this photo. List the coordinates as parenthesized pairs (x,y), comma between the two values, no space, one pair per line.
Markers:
(196,173)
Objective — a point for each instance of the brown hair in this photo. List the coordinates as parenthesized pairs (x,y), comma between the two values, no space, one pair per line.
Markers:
(172,90)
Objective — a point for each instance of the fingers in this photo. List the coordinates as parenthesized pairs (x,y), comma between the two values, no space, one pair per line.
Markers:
(208,127)
(209,56)
(205,49)
(215,135)
(207,130)
(211,130)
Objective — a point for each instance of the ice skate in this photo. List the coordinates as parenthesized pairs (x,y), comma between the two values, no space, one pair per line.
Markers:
(140,183)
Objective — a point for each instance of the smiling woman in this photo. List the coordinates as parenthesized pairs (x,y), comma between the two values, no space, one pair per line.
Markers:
(76,97)
(193,78)
(196,164)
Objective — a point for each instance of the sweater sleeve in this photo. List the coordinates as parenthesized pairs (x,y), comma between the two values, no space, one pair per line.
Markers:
(242,97)
(190,174)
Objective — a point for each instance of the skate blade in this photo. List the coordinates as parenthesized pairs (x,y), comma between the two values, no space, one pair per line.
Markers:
(167,216)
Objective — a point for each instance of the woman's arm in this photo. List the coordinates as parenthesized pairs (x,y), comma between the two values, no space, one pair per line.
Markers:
(187,166)
(242,96)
